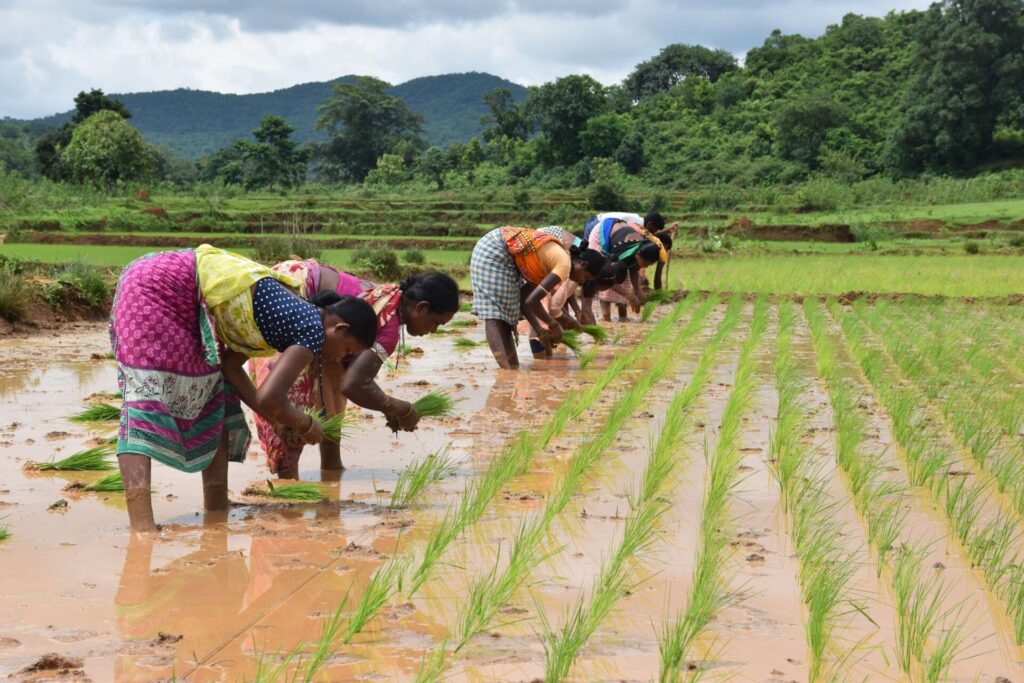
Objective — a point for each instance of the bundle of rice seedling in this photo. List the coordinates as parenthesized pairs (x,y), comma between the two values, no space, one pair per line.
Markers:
(465,343)
(101,412)
(300,491)
(599,333)
(464,322)
(465,307)
(336,427)
(93,459)
(109,484)
(658,296)
(571,339)
(435,404)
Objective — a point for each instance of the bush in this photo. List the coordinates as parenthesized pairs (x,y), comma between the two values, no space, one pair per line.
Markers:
(78,282)
(1017,241)
(381,262)
(972,247)
(414,256)
(605,196)
(13,296)
(277,248)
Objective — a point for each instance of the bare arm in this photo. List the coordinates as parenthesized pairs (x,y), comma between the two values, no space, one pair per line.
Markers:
(360,387)
(634,279)
(271,399)
(657,275)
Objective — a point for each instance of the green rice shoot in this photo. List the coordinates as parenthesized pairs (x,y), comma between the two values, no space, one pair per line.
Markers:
(587,357)
(299,492)
(462,322)
(336,427)
(571,339)
(647,311)
(465,343)
(658,296)
(465,307)
(101,412)
(599,333)
(435,404)
(91,460)
(111,483)
(5,533)
(419,474)
(403,350)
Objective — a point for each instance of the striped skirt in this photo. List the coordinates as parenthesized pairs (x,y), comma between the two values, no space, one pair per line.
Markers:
(176,401)
(495,279)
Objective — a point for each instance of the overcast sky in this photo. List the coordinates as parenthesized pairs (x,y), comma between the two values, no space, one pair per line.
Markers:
(52,49)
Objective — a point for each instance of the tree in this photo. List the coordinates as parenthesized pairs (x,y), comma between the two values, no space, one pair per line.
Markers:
(803,126)
(506,118)
(49,145)
(274,159)
(363,123)
(561,109)
(106,149)
(969,77)
(673,65)
(432,165)
(603,134)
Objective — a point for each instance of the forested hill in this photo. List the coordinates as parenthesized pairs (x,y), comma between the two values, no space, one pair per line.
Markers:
(196,122)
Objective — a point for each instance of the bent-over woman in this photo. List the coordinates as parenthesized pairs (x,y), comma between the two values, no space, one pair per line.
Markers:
(418,306)
(628,248)
(182,325)
(511,270)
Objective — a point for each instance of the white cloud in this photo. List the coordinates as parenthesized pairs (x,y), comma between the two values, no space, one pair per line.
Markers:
(50,50)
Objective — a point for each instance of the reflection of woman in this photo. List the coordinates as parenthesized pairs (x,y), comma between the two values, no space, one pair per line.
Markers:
(420,304)
(511,271)
(182,325)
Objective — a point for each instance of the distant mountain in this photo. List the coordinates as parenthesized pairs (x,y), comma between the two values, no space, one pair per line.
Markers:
(197,122)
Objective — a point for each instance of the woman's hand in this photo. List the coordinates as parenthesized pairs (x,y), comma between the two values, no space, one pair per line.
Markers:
(307,428)
(636,302)
(551,336)
(401,415)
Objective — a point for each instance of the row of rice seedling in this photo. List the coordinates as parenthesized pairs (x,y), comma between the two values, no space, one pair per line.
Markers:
(826,566)
(966,410)
(400,573)
(710,590)
(493,590)
(927,636)
(988,535)
(420,474)
(642,521)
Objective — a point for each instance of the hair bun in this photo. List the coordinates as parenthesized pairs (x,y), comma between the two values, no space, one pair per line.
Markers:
(325,298)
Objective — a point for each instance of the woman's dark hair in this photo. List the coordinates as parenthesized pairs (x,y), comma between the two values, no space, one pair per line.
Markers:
(665,237)
(362,321)
(654,221)
(649,252)
(593,260)
(439,291)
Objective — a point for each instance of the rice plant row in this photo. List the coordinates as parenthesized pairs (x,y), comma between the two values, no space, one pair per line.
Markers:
(927,638)
(988,536)
(709,590)
(826,566)
(420,474)
(514,459)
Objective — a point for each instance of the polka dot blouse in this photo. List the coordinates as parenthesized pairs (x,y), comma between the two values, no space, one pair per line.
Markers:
(284,319)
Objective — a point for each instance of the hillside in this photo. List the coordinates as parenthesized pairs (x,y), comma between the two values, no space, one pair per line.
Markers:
(197,122)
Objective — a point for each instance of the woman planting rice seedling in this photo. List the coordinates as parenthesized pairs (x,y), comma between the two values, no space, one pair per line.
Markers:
(419,306)
(630,248)
(182,325)
(501,261)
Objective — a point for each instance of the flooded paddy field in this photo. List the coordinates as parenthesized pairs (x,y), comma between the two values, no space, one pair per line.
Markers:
(742,488)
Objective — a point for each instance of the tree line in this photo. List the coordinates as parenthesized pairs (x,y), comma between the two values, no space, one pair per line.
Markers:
(937,91)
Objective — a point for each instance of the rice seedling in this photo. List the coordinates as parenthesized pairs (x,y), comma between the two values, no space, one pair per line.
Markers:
(658,296)
(419,475)
(435,404)
(587,357)
(571,339)
(433,665)
(386,581)
(597,332)
(403,350)
(335,427)
(90,460)
(5,533)
(111,483)
(101,412)
(465,343)
(709,590)
(647,311)
(465,307)
(297,492)
(463,322)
